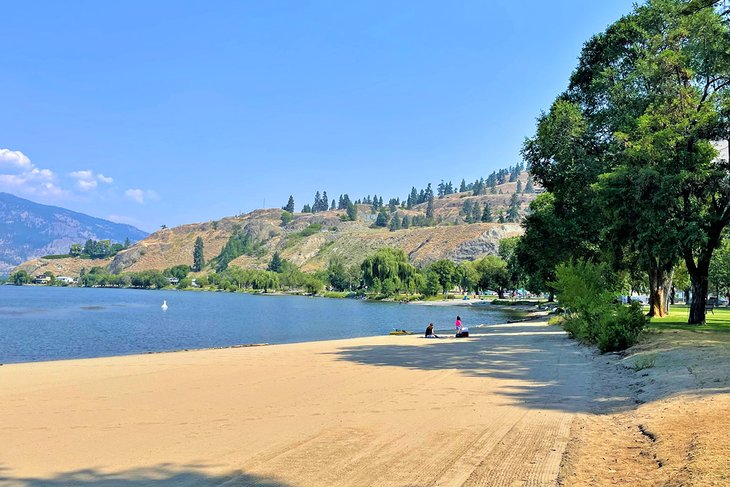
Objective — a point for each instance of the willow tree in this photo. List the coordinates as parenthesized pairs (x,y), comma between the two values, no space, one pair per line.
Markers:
(635,127)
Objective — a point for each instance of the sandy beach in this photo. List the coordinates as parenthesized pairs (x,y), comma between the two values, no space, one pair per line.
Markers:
(490,410)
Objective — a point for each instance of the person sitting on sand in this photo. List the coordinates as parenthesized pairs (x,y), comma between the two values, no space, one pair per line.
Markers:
(429,331)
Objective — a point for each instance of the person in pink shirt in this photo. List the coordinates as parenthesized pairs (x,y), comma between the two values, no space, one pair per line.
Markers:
(458,325)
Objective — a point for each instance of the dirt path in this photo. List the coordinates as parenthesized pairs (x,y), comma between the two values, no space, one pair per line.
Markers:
(492,410)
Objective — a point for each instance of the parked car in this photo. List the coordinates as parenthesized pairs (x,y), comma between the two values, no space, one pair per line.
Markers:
(717,301)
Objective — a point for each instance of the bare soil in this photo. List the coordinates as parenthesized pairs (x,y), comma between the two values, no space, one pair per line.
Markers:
(675,433)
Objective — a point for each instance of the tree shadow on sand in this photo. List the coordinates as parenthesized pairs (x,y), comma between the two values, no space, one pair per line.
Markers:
(554,371)
(163,475)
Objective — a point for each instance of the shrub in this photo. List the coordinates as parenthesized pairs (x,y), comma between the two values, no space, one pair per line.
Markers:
(620,329)
(286,217)
(588,291)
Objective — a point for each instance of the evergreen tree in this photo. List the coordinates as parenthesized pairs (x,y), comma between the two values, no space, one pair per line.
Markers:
(198,260)
(324,203)
(529,188)
(476,213)
(393,205)
(289,205)
(333,206)
(492,180)
(406,222)
(382,219)
(127,243)
(412,198)
(500,219)
(351,212)
(462,187)
(487,213)
(466,209)
(395,223)
(306,209)
(276,264)
(317,199)
(513,214)
(519,186)
(429,209)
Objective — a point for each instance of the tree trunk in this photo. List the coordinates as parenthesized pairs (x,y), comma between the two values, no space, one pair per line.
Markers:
(700,287)
(667,290)
(660,280)
(660,287)
(500,293)
(551,296)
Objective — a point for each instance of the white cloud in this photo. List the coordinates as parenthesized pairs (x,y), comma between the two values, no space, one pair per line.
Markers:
(14,158)
(19,175)
(141,195)
(86,180)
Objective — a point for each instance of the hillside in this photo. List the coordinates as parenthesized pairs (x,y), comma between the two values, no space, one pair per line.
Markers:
(451,237)
(29,230)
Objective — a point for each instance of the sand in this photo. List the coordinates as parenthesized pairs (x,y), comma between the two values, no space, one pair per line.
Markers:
(390,411)
(672,427)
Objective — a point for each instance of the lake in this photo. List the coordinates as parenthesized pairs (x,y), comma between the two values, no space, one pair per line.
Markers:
(51,323)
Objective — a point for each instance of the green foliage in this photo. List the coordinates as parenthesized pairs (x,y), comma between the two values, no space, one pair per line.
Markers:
(445,270)
(351,212)
(57,256)
(240,243)
(286,217)
(198,258)
(513,213)
(389,268)
(289,207)
(93,249)
(276,264)
(19,278)
(487,213)
(337,275)
(492,275)
(430,286)
(179,271)
(588,293)
(466,276)
(75,250)
(310,230)
(382,218)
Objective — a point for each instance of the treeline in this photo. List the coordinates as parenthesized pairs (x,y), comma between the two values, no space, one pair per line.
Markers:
(417,197)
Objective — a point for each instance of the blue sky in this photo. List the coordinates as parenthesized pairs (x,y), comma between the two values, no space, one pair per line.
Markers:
(174,112)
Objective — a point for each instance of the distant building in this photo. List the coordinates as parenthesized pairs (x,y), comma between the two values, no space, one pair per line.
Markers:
(42,279)
(65,279)
(173,281)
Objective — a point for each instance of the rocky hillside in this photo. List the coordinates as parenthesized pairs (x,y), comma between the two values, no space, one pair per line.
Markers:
(29,230)
(326,235)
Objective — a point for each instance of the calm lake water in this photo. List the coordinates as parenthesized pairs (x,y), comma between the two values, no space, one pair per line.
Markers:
(50,323)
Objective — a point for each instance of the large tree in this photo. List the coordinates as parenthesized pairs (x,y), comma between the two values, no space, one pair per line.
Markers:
(632,135)
(289,205)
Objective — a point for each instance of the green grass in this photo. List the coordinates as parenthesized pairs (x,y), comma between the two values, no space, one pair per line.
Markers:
(677,320)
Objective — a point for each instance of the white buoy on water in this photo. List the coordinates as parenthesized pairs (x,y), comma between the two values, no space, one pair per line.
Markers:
(164,305)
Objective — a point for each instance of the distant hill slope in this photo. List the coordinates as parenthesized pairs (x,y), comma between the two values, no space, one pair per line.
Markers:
(452,238)
(29,230)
